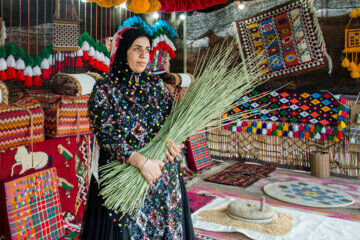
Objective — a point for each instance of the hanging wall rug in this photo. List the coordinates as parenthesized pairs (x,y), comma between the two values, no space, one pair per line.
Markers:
(285,40)
(308,194)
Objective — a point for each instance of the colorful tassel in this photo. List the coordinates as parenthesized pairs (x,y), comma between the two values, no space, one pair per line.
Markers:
(312,135)
(343,101)
(342,124)
(254,124)
(323,137)
(244,124)
(307,135)
(286,128)
(317,136)
(335,139)
(249,129)
(291,128)
(269,126)
(285,133)
(344,114)
(345,63)
(280,126)
(28,81)
(312,128)
(296,128)
(37,82)
(226,127)
(264,125)
(301,134)
(329,131)
(307,128)
(301,128)
(249,123)
(340,135)
(274,127)
(269,132)
(291,134)
(274,133)
(323,130)
(253,130)
(259,125)
(264,131)
(138,6)
(330,137)
(296,134)
(238,129)
(258,131)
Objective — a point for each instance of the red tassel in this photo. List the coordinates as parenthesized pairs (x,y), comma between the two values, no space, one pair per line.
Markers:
(37,81)
(45,74)
(3,76)
(106,68)
(72,61)
(28,81)
(91,60)
(96,64)
(79,62)
(20,75)
(10,73)
(86,55)
(59,66)
(340,135)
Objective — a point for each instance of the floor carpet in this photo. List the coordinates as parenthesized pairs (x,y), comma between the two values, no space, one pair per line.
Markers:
(241,174)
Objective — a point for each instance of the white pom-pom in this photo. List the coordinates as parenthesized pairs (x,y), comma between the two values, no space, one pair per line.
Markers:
(28,71)
(264,131)
(3,65)
(20,64)
(10,61)
(85,46)
(92,51)
(291,134)
(37,71)
(50,60)
(323,130)
(269,126)
(296,128)
(45,64)
(102,57)
(317,136)
(97,55)
(80,53)
(238,123)
(107,61)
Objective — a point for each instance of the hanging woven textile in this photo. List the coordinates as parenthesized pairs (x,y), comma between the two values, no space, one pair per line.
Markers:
(352,46)
(65,32)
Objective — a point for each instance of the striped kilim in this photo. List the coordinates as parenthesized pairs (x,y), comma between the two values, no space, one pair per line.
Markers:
(33,206)
(64,115)
(15,126)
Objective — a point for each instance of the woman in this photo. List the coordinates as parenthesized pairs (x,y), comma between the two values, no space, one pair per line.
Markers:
(127,108)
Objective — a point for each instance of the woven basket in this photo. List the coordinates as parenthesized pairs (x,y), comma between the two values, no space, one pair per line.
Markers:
(320,164)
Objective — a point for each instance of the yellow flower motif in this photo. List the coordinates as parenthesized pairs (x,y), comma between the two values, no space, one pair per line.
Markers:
(312,194)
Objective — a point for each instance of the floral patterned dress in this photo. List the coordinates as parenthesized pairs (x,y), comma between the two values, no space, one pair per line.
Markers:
(127,110)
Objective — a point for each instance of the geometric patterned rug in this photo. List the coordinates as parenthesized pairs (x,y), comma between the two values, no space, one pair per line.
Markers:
(197,201)
(308,194)
(241,174)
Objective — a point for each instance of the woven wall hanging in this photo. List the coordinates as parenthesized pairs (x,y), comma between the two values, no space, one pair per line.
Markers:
(352,46)
(65,32)
(284,40)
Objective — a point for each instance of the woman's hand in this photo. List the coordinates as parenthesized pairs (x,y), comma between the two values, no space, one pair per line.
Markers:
(172,151)
(149,168)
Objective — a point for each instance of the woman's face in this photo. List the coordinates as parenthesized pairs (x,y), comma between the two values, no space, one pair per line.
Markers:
(138,54)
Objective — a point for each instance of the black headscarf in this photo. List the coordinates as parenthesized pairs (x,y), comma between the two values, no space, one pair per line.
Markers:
(128,37)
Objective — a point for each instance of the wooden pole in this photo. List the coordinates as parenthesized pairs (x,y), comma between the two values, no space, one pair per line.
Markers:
(185,40)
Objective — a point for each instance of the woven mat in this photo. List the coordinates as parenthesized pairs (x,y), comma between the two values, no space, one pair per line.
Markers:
(308,194)
(197,201)
(350,187)
(241,174)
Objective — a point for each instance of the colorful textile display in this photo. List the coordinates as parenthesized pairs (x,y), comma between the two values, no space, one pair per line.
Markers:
(294,112)
(197,152)
(241,174)
(21,123)
(352,45)
(64,115)
(73,84)
(285,40)
(33,206)
(163,42)
(95,53)
(3,94)
(72,161)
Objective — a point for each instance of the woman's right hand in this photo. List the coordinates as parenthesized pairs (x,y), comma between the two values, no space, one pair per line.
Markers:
(150,169)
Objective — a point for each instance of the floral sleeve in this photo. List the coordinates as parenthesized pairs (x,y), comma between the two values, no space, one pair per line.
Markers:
(106,124)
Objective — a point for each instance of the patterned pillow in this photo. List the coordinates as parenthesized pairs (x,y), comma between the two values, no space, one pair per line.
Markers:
(33,206)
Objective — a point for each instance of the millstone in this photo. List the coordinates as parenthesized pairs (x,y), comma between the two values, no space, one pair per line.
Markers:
(252,211)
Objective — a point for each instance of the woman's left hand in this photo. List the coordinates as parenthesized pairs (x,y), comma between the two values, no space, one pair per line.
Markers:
(172,151)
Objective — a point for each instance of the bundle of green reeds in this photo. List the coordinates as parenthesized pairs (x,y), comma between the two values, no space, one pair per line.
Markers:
(220,81)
